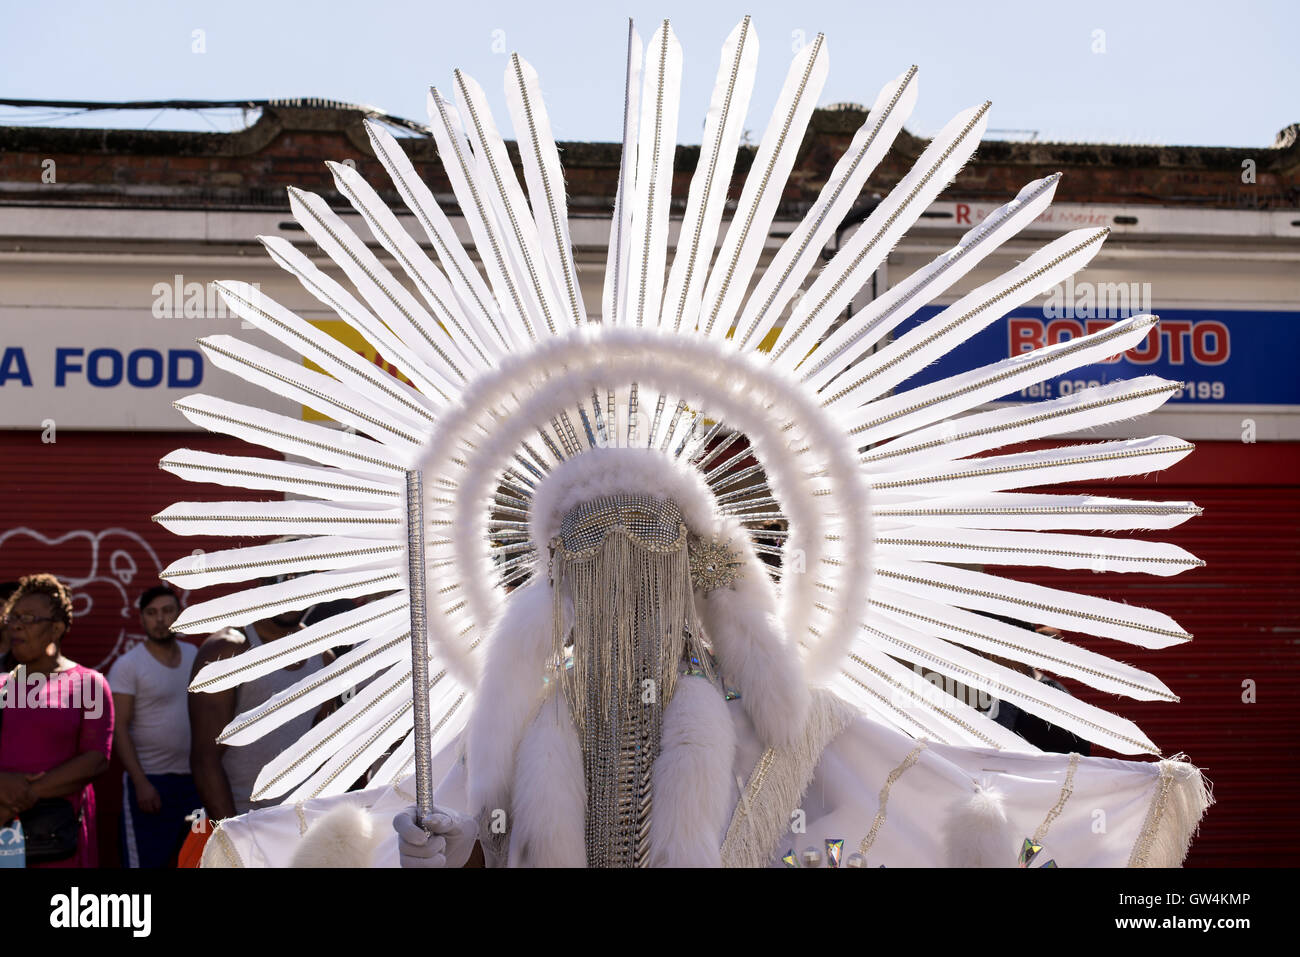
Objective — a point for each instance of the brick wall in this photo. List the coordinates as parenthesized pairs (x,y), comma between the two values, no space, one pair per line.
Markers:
(287,146)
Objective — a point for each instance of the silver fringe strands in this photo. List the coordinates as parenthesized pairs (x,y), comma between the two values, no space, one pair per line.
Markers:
(625,563)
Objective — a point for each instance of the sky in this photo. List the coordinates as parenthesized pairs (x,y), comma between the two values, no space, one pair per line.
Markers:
(1162,73)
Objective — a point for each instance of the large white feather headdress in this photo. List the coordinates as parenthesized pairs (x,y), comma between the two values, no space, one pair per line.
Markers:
(870,493)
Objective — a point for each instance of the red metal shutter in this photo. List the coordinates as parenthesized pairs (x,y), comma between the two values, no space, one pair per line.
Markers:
(1244,616)
(80,507)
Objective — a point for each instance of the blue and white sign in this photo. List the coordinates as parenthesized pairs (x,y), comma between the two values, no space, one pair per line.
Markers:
(113,369)
(1225,357)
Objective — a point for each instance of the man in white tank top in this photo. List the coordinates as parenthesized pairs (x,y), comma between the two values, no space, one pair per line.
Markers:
(224,775)
(152,735)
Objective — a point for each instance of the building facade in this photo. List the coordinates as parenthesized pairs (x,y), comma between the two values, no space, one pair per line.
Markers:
(109,240)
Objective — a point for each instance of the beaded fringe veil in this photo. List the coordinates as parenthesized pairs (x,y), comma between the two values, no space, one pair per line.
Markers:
(624,562)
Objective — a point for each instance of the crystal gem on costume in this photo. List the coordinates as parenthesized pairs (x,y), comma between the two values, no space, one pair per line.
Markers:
(714,564)
(1028,851)
(834,851)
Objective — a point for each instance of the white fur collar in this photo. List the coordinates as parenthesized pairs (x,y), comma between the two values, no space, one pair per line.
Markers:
(692,784)
(549,804)
(508,696)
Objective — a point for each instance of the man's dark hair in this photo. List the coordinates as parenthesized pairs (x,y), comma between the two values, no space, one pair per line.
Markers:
(157,592)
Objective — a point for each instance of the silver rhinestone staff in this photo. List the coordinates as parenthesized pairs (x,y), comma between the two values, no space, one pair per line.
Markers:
(419,645)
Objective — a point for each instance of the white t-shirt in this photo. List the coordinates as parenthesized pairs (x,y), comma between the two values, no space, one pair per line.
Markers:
(244,763)
(160,721)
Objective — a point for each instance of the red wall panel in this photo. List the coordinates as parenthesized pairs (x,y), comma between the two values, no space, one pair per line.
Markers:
(1243,611)
(80,507)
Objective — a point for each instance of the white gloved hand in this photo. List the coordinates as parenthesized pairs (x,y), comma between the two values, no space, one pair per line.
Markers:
(448,842)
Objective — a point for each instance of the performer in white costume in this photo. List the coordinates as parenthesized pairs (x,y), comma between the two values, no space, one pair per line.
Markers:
(687,637)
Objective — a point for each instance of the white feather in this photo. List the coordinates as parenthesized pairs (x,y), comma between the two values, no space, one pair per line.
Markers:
(657,143)
(283,517)
(283,558)
(973,671)
(480,309)
(802,248)
(401,401)
(1082,552)
(614,301)
(545,178)
(904,411)
(707,196)
(254,604)
(989,635)
(919,707)
(432,285)
(338,774)
(895,304)
(1048,606)
(919,346)
(459,163)
(1073,463)
(387,298)
(357,316)
(969,435)
(373,621)
(293,381)
(854,264)
(1034,511)
(976,832)
(505,198)
(304,481)
(747,235)
(291,436)
(386,649)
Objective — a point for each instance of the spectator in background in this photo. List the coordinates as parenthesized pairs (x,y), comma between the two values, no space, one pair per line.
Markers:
(152,737)
(224,776)
(1038,732)
(59,740)
(326,609)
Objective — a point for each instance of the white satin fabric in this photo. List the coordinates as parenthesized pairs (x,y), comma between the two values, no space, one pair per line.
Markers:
(1099,818)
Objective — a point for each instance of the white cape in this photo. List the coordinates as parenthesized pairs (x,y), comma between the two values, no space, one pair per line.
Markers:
(898,801)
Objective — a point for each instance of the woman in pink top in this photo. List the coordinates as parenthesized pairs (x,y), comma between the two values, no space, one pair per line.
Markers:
(56,716)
